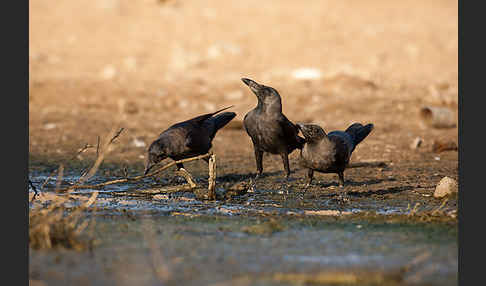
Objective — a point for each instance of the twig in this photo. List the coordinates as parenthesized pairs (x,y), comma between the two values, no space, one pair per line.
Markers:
(414,210)
(98,147)
(212,177)
(116,135)
(190,180)
(150,192)
(136,178)
(60,176)
(48,178)
(33,187)
(86,147)
(376,164)
(99,159)
(35,190)
(440,207)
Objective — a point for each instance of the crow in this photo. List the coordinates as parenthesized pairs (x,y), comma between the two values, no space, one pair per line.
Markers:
(330,153)
(187,139)
(269,129)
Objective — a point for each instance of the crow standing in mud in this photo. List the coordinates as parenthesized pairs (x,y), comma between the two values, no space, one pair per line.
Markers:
(187,139)
(269,129)
(330,153)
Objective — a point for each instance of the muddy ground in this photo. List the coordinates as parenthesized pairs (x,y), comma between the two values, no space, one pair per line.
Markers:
(95,66)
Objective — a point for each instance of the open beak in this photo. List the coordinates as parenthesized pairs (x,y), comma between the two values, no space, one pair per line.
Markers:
(303,129)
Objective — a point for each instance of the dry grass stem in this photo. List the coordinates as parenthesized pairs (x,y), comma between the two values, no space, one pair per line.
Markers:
(55,225)
(414,210)
(136,178)
(373,164)
(190,180)
(439,208)
(60,175)
(101,156)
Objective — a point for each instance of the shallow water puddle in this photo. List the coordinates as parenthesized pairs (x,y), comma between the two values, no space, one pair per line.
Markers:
(124,197)
(267,237)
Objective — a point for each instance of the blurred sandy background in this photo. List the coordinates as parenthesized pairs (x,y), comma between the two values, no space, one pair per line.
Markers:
(144,65)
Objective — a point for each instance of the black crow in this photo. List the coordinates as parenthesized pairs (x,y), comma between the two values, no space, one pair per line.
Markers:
(187,139)
(330,153)
(269,129)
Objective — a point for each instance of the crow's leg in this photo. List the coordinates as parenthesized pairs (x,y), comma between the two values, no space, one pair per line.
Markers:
(259,161)
(310,177)
(285,160)
(341,179)
(343,194)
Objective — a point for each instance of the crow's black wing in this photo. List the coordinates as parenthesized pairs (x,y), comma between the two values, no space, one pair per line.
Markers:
(290,133)
(201,118)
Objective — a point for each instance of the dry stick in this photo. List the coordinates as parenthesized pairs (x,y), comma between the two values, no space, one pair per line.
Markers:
(35,190)
(414,210)
(99,159)
(48,178)
(85,171)
(440,207)
(189,178)
(136,178)
(148,192)
(98,147)
(212,177)
(60,176)
(86,146)
(116,135)
(33,187)
(367,164)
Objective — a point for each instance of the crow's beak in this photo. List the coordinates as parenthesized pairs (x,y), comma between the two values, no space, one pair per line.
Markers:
(255,87)
(303,129)
(147,168)
(247,81)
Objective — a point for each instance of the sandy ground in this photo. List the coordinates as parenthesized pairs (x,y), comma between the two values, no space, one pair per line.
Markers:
(144,65)
(95,65)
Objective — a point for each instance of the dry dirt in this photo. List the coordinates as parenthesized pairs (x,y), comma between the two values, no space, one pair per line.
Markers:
(96,65)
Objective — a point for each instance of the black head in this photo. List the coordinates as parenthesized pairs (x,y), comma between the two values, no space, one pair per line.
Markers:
(311,132)
(155,154)
(266,95)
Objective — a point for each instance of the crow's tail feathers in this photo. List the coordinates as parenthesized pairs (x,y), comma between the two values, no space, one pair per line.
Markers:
(222,119)
(222,109)
(201,118)
(359,132)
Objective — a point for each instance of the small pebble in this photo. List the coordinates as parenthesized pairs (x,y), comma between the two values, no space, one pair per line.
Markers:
(138,143)
(416,143)
(50,126)
(445,187)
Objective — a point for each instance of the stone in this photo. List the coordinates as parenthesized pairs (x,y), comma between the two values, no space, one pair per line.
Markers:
(416,143)
(445,187)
